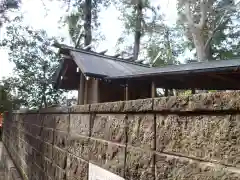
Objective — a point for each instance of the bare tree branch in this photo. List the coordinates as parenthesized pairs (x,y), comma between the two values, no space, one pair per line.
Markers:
(203,9)
(189,14)
(221,21)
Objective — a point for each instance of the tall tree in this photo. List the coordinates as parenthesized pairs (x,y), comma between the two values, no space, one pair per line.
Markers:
(83,21)
(35,63)
(139,17)
(165,46)
(204,20)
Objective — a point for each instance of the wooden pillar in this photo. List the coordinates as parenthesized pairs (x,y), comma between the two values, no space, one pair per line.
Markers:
(96,91)
(166,92)
(126,93)
(153,90)
(81,90)
(86,92)
(193,91)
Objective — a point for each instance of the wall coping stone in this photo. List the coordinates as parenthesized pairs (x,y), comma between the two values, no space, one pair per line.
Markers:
(219,101)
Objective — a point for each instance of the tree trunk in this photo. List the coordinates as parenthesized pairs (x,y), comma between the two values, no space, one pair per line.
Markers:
(88,22)
(138,31)
(199,43)
(169,48)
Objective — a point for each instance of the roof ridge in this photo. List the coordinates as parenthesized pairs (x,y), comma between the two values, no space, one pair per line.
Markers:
(102,55)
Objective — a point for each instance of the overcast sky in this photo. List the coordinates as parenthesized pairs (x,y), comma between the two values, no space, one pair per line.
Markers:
(35,16)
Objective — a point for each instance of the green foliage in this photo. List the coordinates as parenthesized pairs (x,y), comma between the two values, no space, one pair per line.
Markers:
(75,20)
(7,100)
(221,24)
(35,64)
(5,7)
(165,47)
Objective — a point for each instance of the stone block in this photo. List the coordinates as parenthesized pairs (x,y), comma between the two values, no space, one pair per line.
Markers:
(140,131)
(36,130)
(171,103)
(59,157)
(31,118)
(211,138)
(55,110)
(38,158)
(140,105)
(109,156)
(60,139)
(79,146)
(80,124)
(49,121)
(77,168)
(60,174)
(107,107)
(26,128)
(48,167)
(109,127)
(173,167)
(37,144)
(61,122)
(21,134)
(80,108)
(47,135)
(139,164)
(47,150)
(199,102)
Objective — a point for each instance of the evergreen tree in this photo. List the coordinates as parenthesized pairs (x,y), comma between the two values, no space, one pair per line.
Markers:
(35,64)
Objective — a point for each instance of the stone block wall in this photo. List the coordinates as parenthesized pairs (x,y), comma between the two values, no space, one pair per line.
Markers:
(173,138)
(8,171)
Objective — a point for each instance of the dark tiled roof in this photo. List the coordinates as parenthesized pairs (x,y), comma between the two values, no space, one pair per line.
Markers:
(222,74)
(197,67)
(94,64)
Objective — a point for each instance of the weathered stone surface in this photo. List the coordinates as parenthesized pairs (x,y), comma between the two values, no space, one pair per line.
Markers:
(59,157)
(80,108)
(80,124)
(77,168)
(49,121)
(58,109)
(140,105)
(60,173)
(47,150)
(36,172)
(31,118)
(109,127)
(61,121)
(141,130)
(169,167)
(37,144)
(108,107)
(108,155)
(36,130)
(47,135)
(65,147)
(139,164)
(48,167)
(37,158)
(213,138)
(60,139)
(22,147)
(172,103)
(199,102)
(79,146)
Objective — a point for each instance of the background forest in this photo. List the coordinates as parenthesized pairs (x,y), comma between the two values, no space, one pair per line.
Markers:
(157,32)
